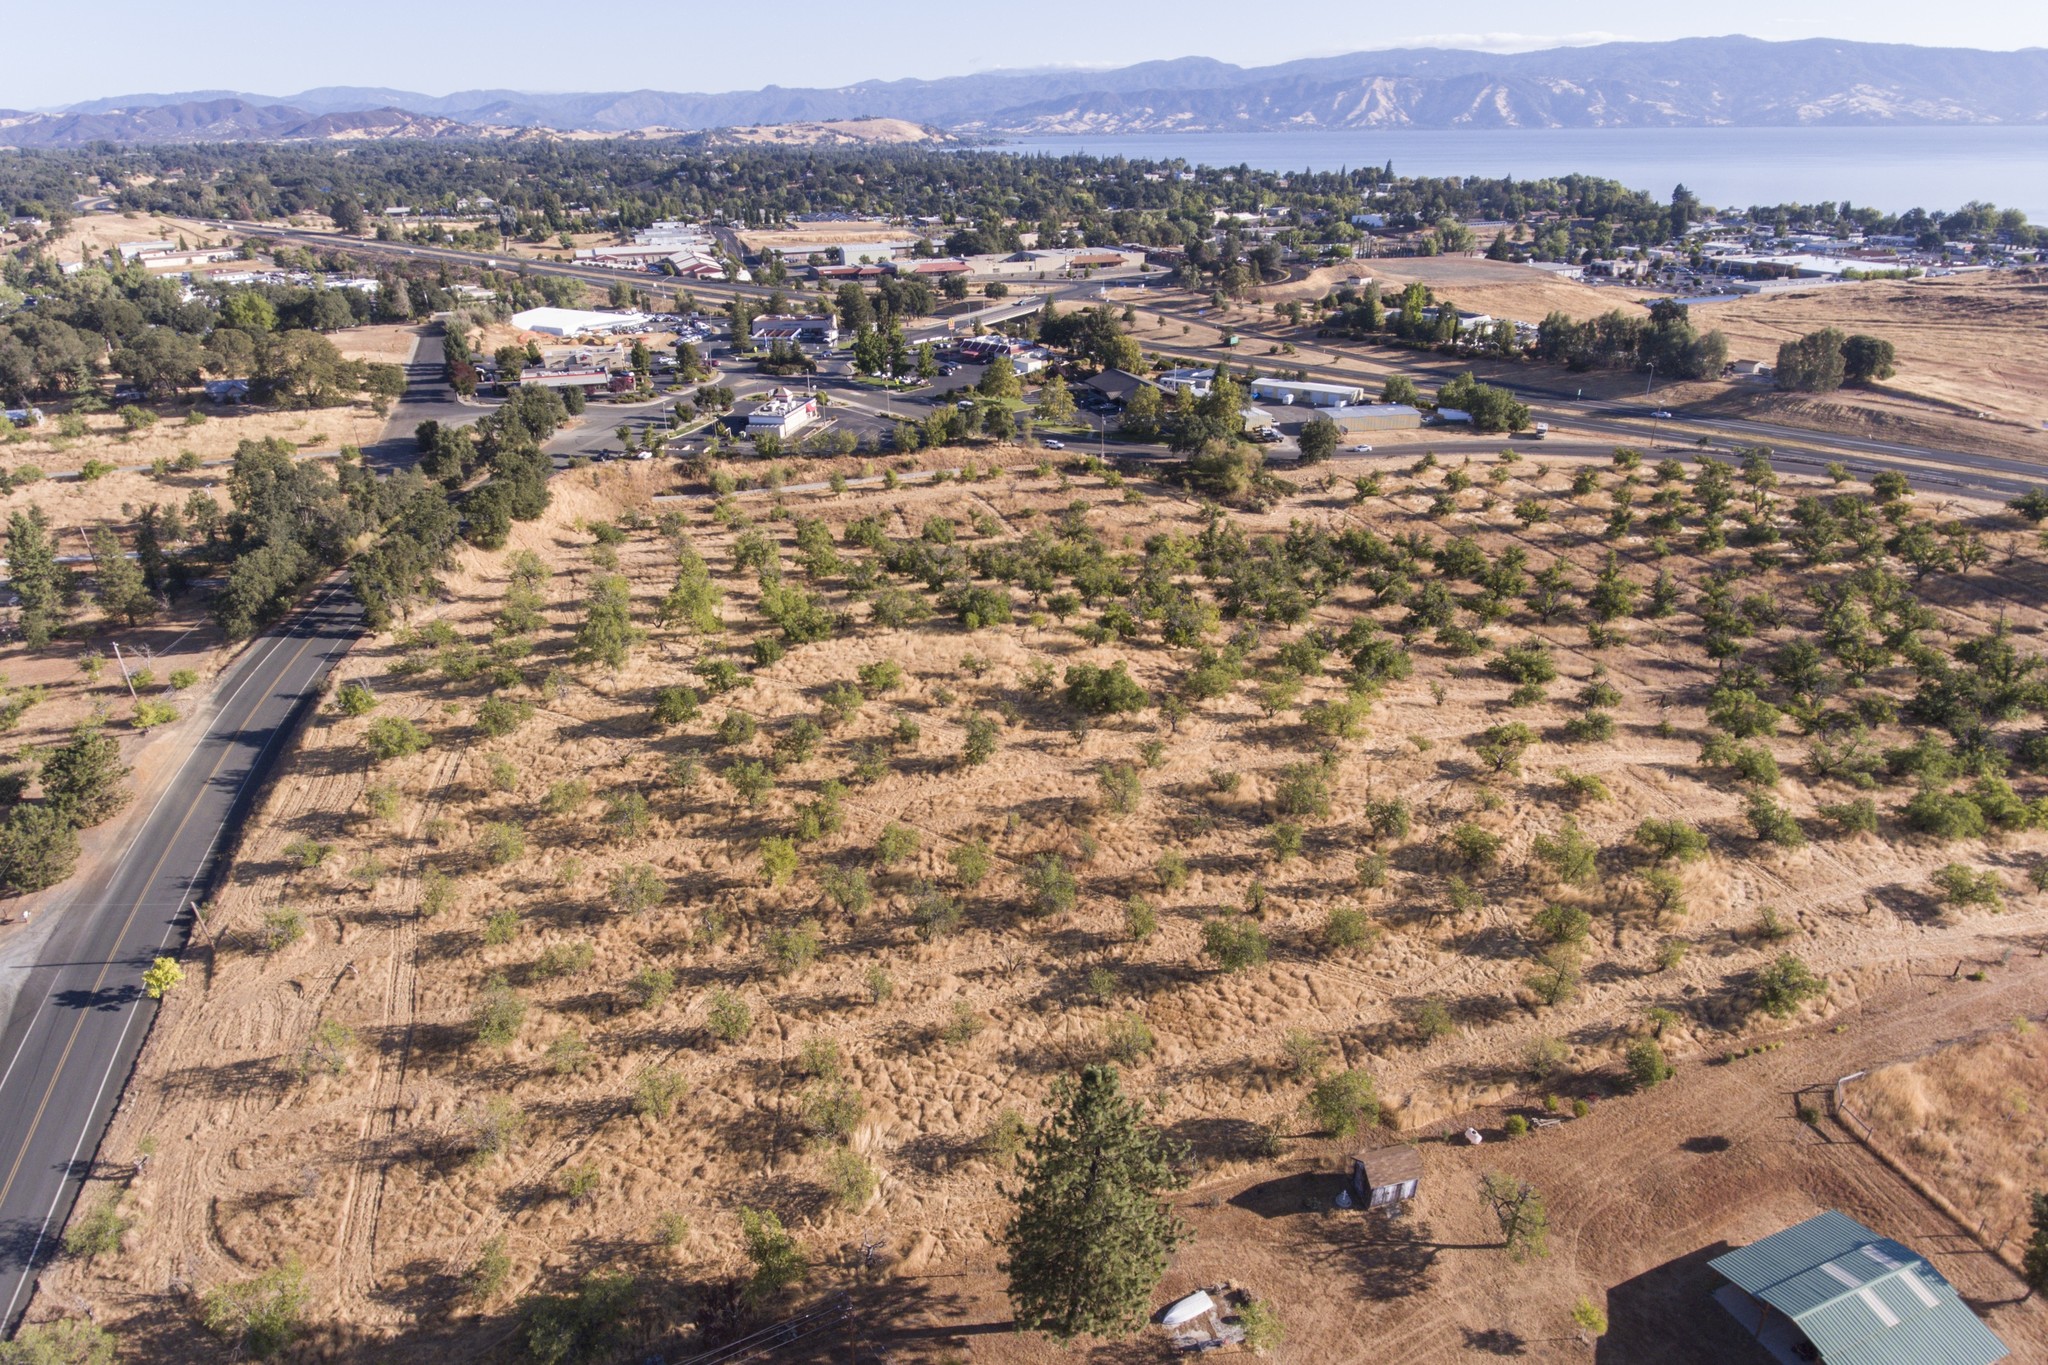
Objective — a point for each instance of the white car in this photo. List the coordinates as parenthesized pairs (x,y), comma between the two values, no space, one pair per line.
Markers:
(1661,415)
(1361,450)
(1051,444)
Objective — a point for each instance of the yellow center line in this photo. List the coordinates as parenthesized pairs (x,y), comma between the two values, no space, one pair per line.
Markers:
(35,1122)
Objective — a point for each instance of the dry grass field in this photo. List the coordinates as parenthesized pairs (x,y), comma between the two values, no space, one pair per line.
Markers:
(564,991)
(1971,1119)
(1470,282)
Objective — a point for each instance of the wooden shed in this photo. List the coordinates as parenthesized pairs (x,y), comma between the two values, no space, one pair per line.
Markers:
(1388,1175)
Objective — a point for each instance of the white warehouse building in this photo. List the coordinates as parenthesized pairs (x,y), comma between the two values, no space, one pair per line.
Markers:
(569,322)
(1306,393)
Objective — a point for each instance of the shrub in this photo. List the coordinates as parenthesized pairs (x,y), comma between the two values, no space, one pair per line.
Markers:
(499,1013)
(850,1178)
(328,1048)
(568,1054)
(1772,823)
(95,1232)
(498,716)
(934,914)
(1431,1019)
(1347,927)
(1474,845)
(564,959)
(1858,816)
(1141,921)
(491,1272)
(1128,1039)
(1646,1062)
(308,853)
(353,699)
(1371,870)
(260,1315)
(1572,856)
(501,926)
(1172,870)
(1670,953)
(1785,984)
(778,860)
(1262,1329)
(1304,791)
(1104,691)
(729,1018)
(1342,1103)
(1122,789)
(566,797)
(1050,886)
(675,705)
(657,1091)
(1235,944)
(970,863)
(894,844)
(652,987)
(795,948)
(1961,887)
(1672,840)
(1563,924)
(637,887)
(1515,1126)
(502,843)
(382,800)
(1945,816)
(626,816)
(1755,765)
(1500,747)
(1592,727)
(390,737)
(1390,818)
(283,927)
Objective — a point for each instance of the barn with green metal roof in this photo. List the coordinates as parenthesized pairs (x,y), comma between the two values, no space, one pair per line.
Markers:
(1830,1289)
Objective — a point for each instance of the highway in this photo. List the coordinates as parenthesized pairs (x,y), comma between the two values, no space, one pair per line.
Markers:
(80,1017)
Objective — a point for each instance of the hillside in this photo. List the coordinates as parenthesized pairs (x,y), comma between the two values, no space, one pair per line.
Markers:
(1684,83)
(804,896)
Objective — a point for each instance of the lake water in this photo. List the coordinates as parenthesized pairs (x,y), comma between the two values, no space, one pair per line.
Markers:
(1892,169)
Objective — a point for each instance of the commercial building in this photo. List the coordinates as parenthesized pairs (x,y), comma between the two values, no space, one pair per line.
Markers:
(931,267)
(1196,381)
(569,322)
(783,415)
(590,381)
(795,329)
(1375,417)
(1830,1289)
(1305,393)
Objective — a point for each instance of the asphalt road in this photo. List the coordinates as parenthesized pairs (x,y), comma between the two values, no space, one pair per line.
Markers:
(79,1016)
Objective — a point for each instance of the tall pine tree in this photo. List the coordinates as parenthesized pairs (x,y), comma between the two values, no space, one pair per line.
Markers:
(122,592)
(37,578)
(1091,1237)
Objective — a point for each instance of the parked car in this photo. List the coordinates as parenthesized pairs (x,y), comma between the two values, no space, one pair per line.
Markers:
(949,370)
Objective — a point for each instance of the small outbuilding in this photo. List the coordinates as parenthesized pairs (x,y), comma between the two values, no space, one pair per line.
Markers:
(1387,1175)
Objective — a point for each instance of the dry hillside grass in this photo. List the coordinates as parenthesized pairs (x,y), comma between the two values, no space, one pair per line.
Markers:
(1943,330)
(321,1088)
(1971,1118)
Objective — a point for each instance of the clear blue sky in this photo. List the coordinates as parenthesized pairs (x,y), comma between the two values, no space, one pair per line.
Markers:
(63,53)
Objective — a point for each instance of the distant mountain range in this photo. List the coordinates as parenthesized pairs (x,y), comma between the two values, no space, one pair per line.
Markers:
(1690,82)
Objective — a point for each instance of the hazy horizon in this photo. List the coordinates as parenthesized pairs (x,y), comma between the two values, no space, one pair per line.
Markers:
(236,45)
